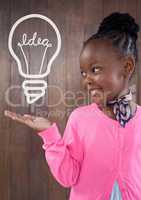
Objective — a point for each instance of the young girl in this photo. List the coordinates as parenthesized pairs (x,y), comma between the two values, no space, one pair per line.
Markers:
(101,145)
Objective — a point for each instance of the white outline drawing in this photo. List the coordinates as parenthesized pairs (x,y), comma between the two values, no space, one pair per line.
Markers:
(26,85)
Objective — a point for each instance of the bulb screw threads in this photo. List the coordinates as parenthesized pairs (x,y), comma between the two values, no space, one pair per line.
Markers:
(34,89)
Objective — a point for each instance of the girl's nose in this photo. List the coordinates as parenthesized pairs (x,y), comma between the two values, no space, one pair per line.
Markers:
(89,80)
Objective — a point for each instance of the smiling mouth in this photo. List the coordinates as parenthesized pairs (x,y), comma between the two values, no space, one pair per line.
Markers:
(94,92)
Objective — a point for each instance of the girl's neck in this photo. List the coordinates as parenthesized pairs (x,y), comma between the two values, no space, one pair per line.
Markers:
(108,110)
(123,92)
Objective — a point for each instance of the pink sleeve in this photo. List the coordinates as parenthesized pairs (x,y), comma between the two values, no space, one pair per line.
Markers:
(63,154)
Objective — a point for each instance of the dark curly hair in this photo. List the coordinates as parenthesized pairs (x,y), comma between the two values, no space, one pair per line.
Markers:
(122,29)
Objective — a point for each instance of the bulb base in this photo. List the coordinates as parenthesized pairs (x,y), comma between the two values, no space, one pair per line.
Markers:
(34,90)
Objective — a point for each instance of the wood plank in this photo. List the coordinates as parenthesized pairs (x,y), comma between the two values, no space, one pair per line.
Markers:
(19,135)
(129,6)
(138,11)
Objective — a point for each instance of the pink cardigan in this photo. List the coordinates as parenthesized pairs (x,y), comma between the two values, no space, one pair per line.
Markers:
(94,152)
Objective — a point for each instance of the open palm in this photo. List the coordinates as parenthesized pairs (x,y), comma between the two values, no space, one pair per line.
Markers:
(37,123)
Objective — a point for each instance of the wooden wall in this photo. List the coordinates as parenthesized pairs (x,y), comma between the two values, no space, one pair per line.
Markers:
(24,173)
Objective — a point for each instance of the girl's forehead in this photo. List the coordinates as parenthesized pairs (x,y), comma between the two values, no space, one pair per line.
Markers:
(98,50)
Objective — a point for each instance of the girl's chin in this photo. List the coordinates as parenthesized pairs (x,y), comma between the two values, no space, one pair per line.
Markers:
(98,97)
(98,100)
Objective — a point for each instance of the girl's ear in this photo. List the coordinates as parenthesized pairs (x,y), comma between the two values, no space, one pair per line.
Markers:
(129,66)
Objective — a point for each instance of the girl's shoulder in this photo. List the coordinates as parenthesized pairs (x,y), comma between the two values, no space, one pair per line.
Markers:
(83,110)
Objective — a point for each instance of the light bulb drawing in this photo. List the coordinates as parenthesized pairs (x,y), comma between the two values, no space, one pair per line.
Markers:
(34,87)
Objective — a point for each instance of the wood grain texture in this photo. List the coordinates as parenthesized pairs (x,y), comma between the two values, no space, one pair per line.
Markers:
(24,173)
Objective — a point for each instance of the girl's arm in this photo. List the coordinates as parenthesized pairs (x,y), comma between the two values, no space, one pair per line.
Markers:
(63,154)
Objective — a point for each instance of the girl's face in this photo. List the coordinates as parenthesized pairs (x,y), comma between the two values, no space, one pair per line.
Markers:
(103,70)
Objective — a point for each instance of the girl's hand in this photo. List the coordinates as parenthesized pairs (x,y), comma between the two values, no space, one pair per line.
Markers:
(37,123)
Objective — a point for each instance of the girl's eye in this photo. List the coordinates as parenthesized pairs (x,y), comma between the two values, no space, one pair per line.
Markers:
(96,69)
(83,74)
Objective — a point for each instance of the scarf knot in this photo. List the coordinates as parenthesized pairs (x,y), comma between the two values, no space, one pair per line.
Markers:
(122,108)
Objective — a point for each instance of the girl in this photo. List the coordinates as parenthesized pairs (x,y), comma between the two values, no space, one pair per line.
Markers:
(101,145)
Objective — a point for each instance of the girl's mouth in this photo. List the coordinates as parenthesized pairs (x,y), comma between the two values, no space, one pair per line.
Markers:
(96,92)
(97,95)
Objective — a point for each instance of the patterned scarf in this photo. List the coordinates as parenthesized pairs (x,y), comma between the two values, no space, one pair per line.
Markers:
(122,108)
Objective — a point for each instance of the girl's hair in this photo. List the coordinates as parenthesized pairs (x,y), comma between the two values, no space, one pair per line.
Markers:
(122,30)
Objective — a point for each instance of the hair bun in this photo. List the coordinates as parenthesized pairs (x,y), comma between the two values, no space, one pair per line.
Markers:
(121,22)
